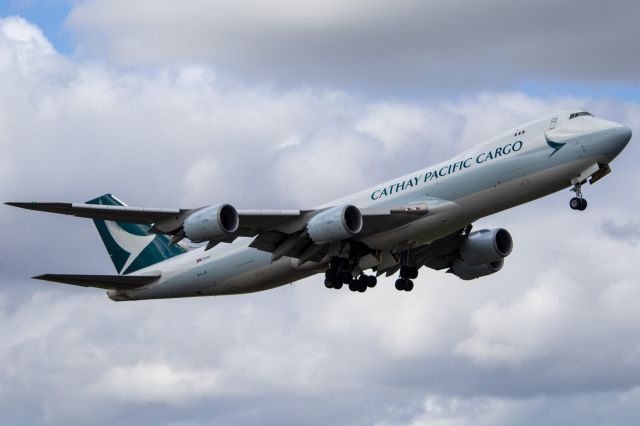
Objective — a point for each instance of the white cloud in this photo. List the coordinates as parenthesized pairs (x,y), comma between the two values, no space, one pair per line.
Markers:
(155,382)
(530,327)
(24,43)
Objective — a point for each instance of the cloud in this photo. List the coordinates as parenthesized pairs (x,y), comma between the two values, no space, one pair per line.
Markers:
(554,331)
(627,232)
(448,411)
(525,329)
(403,47)
(154,382)
(23,43)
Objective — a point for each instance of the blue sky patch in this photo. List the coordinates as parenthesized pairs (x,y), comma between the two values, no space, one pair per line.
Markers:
(48,15)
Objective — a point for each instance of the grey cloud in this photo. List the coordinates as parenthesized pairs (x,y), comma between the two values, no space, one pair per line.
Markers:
(403,47)
(629,231)
(184,136)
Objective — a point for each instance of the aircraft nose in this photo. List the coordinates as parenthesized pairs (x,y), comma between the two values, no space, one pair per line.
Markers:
(624,134)
(618,140)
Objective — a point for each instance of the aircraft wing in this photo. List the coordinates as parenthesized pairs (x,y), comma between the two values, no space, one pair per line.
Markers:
(107,282)
(271,228)
(252,222)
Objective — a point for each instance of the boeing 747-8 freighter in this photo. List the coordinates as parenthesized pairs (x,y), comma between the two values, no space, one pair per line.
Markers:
(421,219)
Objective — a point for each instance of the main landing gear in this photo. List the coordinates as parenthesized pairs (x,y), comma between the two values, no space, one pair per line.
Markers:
(577,202)
(407,274)
(340,272)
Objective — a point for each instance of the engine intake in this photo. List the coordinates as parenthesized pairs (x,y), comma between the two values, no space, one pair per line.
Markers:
(335,224)
(211,223)
(467,272)
(486,246)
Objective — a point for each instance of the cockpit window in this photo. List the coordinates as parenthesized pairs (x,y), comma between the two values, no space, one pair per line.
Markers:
(580,114)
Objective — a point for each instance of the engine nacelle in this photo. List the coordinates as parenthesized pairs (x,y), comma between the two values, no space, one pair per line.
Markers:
(335,224)
(486,246)
(467,272)
(211,223)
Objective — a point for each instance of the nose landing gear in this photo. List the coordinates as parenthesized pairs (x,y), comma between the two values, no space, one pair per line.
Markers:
(577,202)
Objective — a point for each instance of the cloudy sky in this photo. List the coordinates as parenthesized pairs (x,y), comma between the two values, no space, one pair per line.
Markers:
(288,104)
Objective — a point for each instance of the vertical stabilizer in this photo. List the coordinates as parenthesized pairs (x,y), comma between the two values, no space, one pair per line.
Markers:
(129,245)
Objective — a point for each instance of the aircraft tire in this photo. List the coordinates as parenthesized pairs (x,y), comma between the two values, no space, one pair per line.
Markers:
(372,281)
(575,203)
(328,283)
(408,286)
(400,284)
(583,204)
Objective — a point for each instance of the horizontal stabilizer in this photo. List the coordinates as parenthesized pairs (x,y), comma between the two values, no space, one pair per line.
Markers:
(107,282)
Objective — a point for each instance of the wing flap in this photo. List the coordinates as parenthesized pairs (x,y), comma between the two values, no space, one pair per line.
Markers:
(107,282)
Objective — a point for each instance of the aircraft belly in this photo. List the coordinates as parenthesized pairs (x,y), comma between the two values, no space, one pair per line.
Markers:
(247,271)
(267,277)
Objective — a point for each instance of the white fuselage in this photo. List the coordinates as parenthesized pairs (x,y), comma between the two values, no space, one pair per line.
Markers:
(513,168)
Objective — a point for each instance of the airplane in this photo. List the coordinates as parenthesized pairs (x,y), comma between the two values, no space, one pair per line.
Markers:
(420,219)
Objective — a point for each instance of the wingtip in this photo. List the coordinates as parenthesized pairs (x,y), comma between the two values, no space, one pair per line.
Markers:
(20,204)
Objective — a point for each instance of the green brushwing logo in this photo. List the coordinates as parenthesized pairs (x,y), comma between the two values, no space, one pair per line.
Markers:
(556,146)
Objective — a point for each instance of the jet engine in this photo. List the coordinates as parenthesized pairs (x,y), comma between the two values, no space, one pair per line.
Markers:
(334,224)
(486,246)
(466,271)
(211,223)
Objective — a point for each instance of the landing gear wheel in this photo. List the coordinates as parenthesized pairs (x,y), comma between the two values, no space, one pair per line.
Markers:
(408,272)
(404,284)
(575,203)
(328,283)
(353,286)
(578,203)
(337,285)
(583,204)
(372,281)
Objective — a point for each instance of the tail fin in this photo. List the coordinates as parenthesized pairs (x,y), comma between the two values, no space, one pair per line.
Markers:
(130,246)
